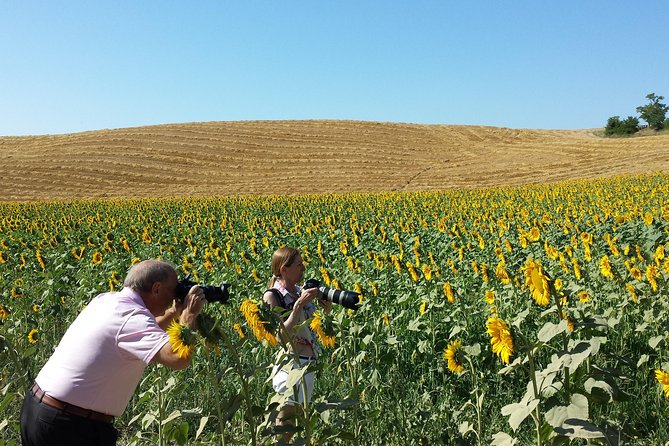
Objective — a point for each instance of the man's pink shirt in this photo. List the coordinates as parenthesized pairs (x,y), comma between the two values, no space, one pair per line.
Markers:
(102,356)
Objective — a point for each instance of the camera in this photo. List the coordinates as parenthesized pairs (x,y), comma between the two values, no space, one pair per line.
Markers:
(347,299)
(212,293)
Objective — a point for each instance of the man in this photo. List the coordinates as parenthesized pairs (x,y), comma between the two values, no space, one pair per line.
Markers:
(99,362)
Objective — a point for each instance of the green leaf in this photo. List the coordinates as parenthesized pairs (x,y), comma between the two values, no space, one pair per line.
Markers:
(599,390)
(170,417)
(200,428)
(472,350)
(335,404)
(465,427)
(578,409)
(148,419)
(348,436)
(503,439)
(415,325)
(294,376)
(520,318)
(642,360)
(579,429)
(655,341)
(517,412)
(550,330)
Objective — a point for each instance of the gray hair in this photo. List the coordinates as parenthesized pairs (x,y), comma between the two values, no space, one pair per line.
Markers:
(141,276)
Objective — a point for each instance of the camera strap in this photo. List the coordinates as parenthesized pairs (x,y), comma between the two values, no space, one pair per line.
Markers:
(279,297)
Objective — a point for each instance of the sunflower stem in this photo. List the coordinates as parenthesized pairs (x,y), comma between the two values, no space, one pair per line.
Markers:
(245,386)
(479,401)
(537,415)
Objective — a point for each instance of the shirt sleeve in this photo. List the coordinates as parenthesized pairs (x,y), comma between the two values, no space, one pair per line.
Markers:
(141,337)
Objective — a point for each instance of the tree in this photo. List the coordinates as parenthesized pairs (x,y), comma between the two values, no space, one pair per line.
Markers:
(655,112)
(614,126)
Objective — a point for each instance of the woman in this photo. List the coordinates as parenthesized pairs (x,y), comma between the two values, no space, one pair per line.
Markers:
(297,338)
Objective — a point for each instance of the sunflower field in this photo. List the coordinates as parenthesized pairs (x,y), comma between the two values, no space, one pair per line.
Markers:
(535,315)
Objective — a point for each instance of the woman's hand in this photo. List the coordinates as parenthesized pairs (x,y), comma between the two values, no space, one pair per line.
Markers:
(306,296)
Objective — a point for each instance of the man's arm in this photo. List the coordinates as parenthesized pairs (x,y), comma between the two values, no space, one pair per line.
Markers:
(166,319)
(187,315)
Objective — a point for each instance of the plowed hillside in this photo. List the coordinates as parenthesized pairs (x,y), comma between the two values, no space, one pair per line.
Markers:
(296,157)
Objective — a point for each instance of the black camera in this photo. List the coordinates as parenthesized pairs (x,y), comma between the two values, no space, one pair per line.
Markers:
(347,299)
(212,293)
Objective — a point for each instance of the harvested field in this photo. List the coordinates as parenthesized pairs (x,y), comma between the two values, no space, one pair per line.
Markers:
(304,157)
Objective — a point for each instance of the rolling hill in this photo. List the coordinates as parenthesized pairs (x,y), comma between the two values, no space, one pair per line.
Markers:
(304,157)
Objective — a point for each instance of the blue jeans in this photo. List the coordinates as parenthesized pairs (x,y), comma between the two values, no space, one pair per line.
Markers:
(43,425)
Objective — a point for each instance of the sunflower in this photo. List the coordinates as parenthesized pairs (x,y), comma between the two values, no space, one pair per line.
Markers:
(358,289)
(77,254)
(427,272)
(652,274)
(412,271)
(423,307)
(32,336)
(259,318)
(453,354)
(40,259)
(385,319)
(636,273)
(97,258)
(326,276)
(182,339)
(239,330)
(537,282)
(490,297)
(3,313)
(583,296)
(605,267)
(632,292)
(663,378)
(577,268)
(500,338)
(324,329)
(534,234)
(648,218)
(502,274)
(448,292)
(659,254)
(484,273)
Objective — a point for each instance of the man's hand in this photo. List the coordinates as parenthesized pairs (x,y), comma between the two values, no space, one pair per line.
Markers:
(191,307)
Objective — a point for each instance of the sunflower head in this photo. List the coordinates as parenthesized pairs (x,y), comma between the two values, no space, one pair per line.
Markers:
(261,319)
(662,377)
(537,282)
(33,336)
(448,292)
(454,355)
(323,326)
(500,338)
(182,339)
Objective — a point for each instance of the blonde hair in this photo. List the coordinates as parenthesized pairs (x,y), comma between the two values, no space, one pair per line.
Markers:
(282,257)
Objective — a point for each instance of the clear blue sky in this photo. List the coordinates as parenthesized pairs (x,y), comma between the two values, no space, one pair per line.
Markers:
(69,66)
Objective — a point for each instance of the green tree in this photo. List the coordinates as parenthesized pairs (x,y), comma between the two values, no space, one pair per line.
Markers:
(614,126)
(654,112)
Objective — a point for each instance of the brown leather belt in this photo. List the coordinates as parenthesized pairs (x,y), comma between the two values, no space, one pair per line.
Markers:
(69,408)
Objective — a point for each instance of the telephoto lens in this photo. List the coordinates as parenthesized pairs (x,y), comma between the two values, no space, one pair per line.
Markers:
(345,298)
